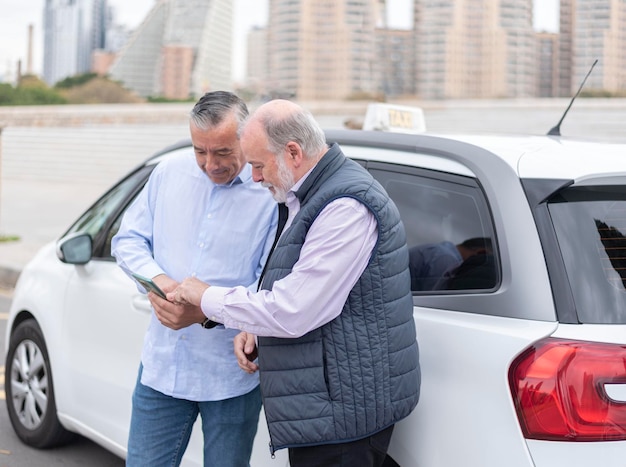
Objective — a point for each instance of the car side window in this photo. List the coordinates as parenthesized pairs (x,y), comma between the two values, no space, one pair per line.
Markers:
(106,250)
(102,220)
(449,229)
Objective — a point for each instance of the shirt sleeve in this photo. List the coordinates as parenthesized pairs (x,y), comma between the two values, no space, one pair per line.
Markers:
(335,253)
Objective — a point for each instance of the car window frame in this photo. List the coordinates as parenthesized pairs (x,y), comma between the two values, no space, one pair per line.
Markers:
(528,299)
(142,173)
(446,181)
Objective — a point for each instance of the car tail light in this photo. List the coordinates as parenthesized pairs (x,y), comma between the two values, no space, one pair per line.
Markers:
(560,390)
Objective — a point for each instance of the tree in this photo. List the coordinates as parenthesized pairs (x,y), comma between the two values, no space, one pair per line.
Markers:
(99,90)
(29,91)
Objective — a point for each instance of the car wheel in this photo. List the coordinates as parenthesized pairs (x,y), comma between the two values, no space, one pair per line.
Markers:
(29,389)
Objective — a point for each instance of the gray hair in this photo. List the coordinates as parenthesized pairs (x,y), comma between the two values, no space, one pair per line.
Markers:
(212,108)
(299,126)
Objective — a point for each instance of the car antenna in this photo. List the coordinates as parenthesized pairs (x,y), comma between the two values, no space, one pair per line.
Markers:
(556,130)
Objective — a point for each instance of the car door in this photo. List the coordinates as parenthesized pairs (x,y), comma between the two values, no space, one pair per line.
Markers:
(104,325)
(470,330)
(105,318)
(460,368)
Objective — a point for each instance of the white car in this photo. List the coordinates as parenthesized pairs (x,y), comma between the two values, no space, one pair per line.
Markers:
(522,344)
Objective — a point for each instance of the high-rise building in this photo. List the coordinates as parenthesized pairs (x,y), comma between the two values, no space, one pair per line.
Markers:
(257,66)
(182,49)
(474,48)
(590,30)
(116,35)
(323,49)
(547,64)
(395,64)
(73,29)
(566,28)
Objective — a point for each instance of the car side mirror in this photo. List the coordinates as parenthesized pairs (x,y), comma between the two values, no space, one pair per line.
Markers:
(75,248)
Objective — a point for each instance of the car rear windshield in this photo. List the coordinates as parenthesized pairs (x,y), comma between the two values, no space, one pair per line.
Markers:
(590,224)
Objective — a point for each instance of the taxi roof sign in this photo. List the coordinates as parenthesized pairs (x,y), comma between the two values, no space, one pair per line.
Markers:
(394,118)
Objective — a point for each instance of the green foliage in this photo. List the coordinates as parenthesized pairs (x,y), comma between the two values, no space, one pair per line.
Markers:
(73,81)
(87,88)
(31,93)
(366,96)
(99,90)
(7,96)
(601,93)
(160,99)
(39,96)
(32,81)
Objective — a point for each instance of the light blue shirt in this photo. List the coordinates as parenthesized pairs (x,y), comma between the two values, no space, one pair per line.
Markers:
(182,224)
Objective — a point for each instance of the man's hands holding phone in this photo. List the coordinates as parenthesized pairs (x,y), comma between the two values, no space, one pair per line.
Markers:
(181,307)
(151,286)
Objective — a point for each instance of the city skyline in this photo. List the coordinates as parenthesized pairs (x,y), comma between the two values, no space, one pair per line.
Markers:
(248,13)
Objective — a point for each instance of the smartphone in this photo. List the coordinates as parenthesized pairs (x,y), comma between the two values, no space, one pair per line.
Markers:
(149,285)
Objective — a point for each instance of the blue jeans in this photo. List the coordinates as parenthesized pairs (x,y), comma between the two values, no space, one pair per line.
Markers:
(161,426)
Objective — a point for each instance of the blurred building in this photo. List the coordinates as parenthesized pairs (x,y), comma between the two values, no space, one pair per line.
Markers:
(547,64)
(323,50)
(101,61)
(474,49)
(115,38)
(395,65)
(590,30)
(566,27)
(257,60)
(182,49)
(73,29)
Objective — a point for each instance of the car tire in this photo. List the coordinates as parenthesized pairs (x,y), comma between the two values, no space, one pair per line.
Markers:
(30,391)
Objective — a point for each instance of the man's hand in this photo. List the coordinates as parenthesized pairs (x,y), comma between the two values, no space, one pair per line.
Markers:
(189,292)
(175,316)
(246,351)
(165,283)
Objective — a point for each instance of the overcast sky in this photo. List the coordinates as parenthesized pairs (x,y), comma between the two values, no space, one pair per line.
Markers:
(17,15)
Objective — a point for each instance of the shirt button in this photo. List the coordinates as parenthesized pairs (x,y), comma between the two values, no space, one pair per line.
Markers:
(209,216)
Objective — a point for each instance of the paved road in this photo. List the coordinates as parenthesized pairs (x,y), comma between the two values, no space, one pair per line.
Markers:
(13,453)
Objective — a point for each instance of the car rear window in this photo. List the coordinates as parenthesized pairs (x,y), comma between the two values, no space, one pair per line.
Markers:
(590,224)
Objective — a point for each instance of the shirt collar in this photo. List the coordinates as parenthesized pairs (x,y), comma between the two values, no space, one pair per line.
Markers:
(244,176)
(291,194)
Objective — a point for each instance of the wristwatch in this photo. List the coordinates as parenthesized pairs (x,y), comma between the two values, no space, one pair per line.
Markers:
(208,324)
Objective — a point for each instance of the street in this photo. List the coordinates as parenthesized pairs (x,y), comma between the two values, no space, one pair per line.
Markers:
(13,453)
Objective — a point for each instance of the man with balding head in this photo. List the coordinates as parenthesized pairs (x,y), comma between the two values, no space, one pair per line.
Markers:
(337,350)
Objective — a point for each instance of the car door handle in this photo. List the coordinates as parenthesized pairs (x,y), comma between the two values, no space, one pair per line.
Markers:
(141,303)
(617,392)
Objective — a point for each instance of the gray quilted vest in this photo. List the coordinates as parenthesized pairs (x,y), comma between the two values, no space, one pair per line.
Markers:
(359,373)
